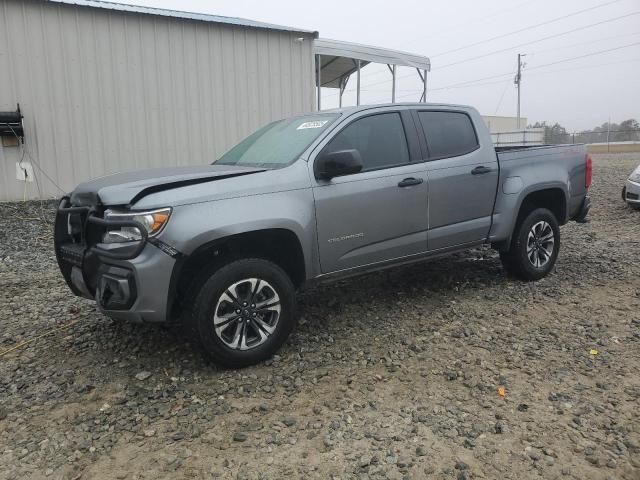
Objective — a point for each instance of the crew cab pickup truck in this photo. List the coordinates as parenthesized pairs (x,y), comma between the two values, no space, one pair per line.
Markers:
(224,247)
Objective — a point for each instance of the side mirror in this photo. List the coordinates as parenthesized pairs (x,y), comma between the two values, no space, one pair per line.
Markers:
(338,163)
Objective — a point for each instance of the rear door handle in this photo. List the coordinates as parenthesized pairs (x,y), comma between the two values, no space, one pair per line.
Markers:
(408,182)
(480,170)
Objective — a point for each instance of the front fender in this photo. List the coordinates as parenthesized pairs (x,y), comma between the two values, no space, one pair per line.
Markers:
(192,226)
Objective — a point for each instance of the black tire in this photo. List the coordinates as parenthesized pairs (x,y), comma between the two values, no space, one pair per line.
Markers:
(517,261)
(206,303)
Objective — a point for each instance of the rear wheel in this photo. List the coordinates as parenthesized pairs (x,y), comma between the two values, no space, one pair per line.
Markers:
(244,312)
(534,246)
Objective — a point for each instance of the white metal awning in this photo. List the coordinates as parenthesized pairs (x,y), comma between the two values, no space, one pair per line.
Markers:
(336,61)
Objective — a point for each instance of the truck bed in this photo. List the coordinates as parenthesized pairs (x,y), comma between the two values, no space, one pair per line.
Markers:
(553,168)
(519,148)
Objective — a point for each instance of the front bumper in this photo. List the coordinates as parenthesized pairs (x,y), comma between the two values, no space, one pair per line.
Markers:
(632,192)
(128,281)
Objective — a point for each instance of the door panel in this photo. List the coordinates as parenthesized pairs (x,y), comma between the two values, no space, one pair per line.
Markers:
(462,177)
(460,203)
(367,218)
(379,213)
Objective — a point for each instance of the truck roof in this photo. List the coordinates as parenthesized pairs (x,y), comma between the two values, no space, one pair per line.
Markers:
(359,108)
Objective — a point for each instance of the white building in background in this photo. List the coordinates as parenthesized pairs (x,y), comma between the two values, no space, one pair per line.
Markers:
(507,132)
(504,124)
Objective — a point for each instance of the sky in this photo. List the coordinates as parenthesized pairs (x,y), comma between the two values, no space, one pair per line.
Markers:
(557,84)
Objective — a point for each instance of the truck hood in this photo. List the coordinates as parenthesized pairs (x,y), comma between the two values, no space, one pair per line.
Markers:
(129,187)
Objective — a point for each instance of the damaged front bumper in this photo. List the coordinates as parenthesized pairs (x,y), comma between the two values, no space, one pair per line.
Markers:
(129,281)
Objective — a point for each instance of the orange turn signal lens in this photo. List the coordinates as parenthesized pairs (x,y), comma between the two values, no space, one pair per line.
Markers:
(159,219)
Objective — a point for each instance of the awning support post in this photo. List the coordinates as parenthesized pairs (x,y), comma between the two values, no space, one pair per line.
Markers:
(358,85)
(343,84)
(393,82)
(319,74)
(424,93)
(423,77)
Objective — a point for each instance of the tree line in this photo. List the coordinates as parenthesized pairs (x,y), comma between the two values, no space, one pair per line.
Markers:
(626,131)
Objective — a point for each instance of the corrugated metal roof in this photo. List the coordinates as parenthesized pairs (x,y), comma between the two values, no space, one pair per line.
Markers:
(203,17)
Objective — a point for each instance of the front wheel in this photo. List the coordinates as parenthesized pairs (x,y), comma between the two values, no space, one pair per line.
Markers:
(244,312)
(534,246)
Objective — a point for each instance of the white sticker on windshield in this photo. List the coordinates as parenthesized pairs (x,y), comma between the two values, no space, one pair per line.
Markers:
(316,124)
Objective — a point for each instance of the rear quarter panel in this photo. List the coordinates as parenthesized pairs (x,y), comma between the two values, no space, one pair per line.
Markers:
(523,172)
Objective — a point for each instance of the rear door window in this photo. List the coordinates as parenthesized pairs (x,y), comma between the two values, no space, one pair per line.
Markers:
(379,138)
(449,134)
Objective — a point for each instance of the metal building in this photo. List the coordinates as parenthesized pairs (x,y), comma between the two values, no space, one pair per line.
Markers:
(105,87)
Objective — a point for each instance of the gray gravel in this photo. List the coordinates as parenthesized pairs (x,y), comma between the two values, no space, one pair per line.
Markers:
(392,375)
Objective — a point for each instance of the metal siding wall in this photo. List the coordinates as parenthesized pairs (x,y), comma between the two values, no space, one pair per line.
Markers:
(104,91)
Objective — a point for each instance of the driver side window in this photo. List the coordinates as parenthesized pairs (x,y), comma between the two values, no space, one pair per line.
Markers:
(379,138)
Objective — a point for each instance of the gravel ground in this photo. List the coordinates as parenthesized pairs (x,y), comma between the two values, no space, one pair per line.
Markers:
(444,370)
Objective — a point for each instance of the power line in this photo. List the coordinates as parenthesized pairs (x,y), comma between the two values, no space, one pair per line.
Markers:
(462,83)
(513,47)
(597,40)
(516,46)
(474,84)
(501,75)
(506,85)
(538,66)
(446,31)
(530,68)
(582,67)
(585,56)
(432,89)
(471,84)
(448,87)
(557,19)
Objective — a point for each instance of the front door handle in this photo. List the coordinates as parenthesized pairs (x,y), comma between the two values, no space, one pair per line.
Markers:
(408,182)
(480,170)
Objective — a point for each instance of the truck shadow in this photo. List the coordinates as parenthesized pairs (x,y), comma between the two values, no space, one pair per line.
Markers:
(327,306)
(467,270)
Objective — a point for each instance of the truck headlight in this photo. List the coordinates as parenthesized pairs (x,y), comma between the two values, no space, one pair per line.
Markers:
(153,221)
(635,175)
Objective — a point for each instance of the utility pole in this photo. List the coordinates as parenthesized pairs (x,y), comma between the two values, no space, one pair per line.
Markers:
(518,80)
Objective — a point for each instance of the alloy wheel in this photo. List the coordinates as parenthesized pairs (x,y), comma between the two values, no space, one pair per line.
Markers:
(540,243)
(246,314)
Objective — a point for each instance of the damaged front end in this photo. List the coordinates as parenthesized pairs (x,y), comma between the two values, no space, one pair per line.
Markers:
(110,243)
(83,258)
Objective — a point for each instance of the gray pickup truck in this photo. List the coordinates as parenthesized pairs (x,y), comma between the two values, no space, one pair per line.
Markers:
(223,248)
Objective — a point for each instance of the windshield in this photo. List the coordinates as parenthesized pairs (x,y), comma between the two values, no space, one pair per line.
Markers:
(279,143)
